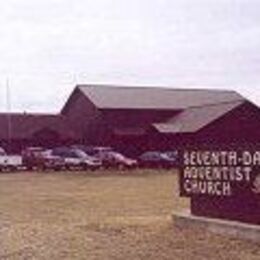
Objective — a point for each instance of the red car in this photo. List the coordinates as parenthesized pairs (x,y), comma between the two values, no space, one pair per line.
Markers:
(40,159)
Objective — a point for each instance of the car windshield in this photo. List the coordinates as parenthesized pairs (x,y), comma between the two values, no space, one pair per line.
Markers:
(172,155)
(165,156)
(118,156)
(103,149)
(151,155)
(46,153)
(82,154)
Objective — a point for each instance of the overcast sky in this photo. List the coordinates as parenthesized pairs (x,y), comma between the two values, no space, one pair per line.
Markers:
(47,46)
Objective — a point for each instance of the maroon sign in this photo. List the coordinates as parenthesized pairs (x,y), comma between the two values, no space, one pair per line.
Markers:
(222,183)
(219,173)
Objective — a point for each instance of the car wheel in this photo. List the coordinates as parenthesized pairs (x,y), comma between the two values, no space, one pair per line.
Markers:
(67,167)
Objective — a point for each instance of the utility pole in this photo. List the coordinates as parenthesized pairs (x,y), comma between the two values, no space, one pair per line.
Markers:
(9,121)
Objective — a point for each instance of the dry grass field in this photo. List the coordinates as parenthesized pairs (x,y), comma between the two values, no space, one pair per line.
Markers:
(103,215)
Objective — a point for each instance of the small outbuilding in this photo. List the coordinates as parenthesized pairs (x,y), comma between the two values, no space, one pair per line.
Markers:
(21,130)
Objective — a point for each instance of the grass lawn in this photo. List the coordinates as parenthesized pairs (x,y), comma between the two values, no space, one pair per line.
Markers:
(103,215)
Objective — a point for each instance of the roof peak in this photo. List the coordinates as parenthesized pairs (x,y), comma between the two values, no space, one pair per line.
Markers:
(145,97)
(155,87)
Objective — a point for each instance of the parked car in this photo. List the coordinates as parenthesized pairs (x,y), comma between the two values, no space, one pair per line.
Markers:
(52,161)
(108,156)
(172,155)
(76,158)
(116,159)
(158,159)
(40,159)
(93,150)
(9,162)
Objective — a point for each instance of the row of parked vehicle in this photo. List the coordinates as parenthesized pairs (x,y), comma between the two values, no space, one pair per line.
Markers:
(83,157)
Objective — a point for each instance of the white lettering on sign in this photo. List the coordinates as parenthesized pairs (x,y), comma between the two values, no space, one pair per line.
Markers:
(237,174)
(208,158)
(214,172)
(251,158)
(207,187)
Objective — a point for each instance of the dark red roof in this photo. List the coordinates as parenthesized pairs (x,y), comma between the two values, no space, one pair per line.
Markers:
(25,125)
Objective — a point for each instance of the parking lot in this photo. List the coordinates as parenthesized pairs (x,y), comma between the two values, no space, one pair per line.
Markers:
(103,215)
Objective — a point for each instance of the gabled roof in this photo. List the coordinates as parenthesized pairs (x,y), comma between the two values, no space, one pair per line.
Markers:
(115,97)
(191,109)
(193,119)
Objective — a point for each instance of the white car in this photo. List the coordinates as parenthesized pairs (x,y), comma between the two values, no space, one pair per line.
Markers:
(76,158)
(9,162)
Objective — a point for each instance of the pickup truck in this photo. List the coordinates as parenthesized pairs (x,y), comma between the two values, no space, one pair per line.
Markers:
(9,162)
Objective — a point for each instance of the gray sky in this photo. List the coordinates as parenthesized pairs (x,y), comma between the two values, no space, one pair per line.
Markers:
(47,46)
